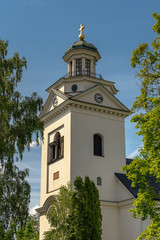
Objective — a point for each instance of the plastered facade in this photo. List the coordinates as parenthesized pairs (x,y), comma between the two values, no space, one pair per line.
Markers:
(77,116)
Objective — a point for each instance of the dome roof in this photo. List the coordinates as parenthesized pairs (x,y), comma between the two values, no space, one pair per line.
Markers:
(82,45)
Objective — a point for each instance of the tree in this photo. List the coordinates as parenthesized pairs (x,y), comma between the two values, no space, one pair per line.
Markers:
(146,110)
(58,214)
(31,229)
(9,234)
(18,122)
(14,195)
(18,115)
(28,232)
(75,214)
(85,217)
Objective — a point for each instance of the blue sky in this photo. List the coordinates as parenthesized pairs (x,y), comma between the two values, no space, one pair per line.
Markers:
(41,30)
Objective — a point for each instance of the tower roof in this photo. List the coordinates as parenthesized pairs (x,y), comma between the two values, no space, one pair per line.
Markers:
(82,44)
(81,47)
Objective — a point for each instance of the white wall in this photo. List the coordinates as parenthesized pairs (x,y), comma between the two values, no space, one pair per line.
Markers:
(48,185)
(83,163)
(110,221)
(130,228)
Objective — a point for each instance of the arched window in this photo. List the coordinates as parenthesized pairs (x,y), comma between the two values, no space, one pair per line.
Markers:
(56,148)
(97,140)
(99,181)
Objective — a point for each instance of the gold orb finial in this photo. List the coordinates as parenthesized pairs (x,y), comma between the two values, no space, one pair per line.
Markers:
(81,35)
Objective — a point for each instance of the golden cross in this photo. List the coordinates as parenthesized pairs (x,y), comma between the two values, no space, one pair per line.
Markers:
(81,35)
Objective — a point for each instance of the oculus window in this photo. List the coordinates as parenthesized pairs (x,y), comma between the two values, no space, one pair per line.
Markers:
(74,87)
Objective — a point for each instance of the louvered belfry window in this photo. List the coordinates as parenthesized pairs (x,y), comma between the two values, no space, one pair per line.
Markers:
(57,147)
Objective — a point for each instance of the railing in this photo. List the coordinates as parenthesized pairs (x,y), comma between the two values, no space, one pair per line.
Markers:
(83,73)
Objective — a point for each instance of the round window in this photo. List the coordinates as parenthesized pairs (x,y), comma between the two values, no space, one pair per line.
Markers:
(74,87)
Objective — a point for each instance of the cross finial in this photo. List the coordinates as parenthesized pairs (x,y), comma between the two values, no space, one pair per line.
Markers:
(81,35)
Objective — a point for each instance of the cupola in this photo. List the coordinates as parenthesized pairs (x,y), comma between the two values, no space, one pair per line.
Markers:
(81,57)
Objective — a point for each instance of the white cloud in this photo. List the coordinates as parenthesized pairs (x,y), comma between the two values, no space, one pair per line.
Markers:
(135,153)
(35,201)
(34,143)
(32,211)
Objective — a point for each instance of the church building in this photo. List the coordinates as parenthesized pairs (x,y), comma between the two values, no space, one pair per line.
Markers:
(84,135)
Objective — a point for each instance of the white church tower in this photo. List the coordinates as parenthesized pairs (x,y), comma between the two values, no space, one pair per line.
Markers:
(84,136)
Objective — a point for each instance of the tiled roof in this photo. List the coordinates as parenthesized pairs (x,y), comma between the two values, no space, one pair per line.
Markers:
(128,161)
(127,183)
(134,190)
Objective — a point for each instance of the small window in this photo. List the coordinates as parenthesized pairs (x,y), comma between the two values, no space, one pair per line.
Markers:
(57,147)
(79,67)
(97,139)
(99,181)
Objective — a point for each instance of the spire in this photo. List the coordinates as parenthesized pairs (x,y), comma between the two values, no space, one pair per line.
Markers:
(81,35)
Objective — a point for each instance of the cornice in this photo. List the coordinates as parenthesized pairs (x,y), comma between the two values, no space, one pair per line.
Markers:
(104,203)
(98,108)
(77,52)
(121,203)
(82,78)
(83,106)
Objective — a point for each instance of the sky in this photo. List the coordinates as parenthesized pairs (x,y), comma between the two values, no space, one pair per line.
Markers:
(41,30)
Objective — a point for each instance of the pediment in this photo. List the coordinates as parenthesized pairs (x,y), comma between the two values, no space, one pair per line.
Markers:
(54,99)
(109,100)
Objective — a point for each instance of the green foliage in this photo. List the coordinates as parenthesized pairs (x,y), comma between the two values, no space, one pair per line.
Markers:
(75,214)
(146,111)
(58,214)
(85,217)
(18,115)
(14,195)
(10,233)
(28,232)
(18,122)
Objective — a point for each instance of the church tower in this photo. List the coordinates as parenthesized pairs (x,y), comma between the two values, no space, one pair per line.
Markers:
(84,135)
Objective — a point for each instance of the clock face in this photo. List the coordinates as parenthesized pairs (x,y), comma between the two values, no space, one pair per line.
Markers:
(98,98)
(55,102)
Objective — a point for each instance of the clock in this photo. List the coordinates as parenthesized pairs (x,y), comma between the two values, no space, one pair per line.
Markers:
(55,102)
(98,98)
